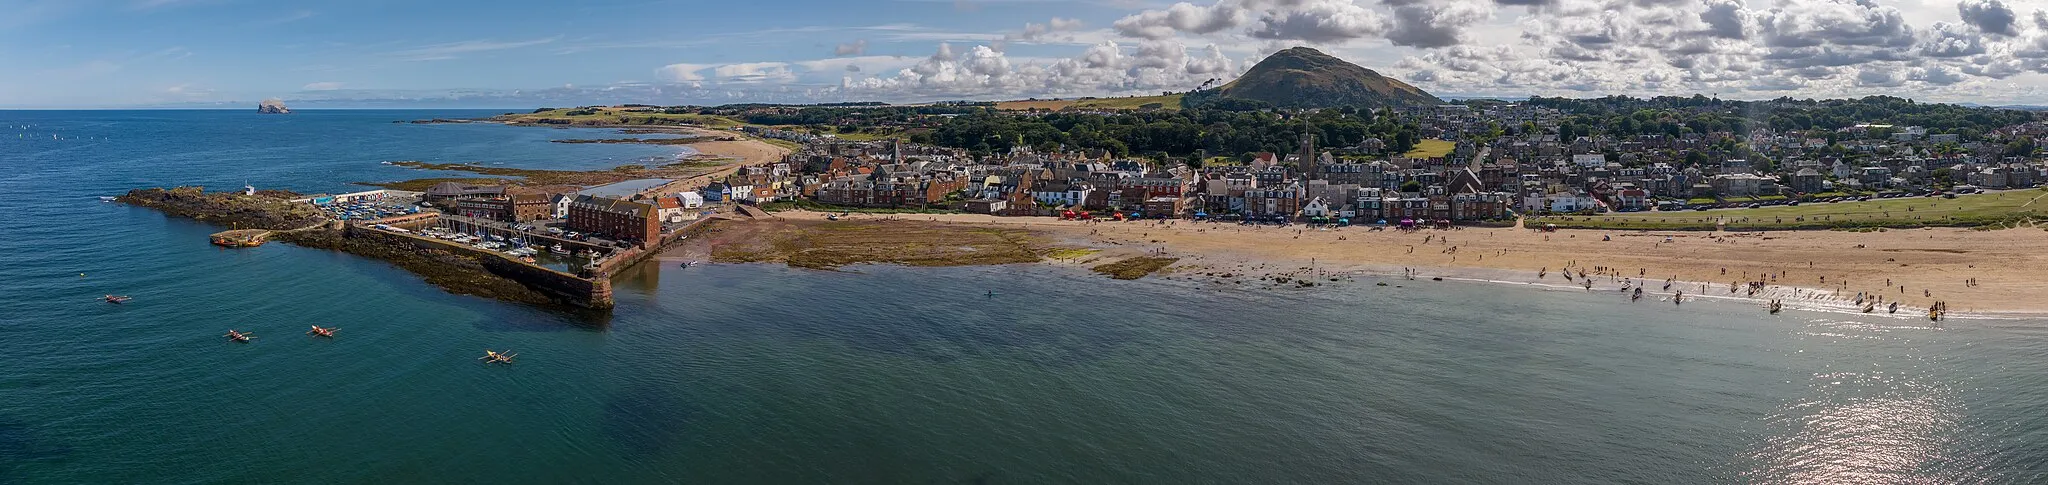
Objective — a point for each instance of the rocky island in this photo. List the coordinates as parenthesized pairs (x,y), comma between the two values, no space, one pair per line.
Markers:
(272,106)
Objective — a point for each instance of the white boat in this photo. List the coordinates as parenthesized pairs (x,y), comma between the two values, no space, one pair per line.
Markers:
(106,199)
(558,250)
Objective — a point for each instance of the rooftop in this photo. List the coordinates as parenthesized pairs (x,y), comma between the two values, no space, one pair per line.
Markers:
(621,190)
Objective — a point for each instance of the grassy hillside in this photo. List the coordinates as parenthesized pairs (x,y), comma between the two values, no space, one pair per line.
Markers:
(2001,209)
(1302,77)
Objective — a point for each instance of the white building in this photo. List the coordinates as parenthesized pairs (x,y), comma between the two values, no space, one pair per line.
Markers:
(692,200)
(1593,160)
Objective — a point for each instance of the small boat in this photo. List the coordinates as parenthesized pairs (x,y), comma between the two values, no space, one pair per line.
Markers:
(319,331)
(104,198)
(1777,306)
(1895,307)
(528,260)
(558,249)
(495,357)
(239,337)
(1867,307)
(115,299)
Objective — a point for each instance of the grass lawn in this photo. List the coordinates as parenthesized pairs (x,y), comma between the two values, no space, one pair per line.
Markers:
(1967,210)
(1431,149)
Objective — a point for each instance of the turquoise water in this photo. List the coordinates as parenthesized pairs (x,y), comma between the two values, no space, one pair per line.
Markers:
(764,374)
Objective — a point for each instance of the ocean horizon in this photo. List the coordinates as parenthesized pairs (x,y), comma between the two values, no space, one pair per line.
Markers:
(754,373)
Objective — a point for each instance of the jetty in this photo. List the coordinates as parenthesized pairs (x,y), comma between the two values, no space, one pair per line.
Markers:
(240,238)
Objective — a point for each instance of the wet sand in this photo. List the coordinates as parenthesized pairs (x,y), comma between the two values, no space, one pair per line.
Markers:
(1931,264)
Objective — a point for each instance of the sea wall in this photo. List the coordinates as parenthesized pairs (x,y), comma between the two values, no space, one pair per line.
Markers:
(592,293)
(626,258)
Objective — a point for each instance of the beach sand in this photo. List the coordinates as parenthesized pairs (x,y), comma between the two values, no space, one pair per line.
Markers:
(750,151)
(2010,267)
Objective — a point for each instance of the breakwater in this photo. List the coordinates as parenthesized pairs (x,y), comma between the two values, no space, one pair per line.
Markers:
(556,287)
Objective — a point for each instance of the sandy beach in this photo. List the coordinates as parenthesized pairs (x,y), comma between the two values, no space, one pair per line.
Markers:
(749,150)
(1985,272)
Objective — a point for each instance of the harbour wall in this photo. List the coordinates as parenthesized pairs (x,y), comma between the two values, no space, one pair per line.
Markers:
(594,292)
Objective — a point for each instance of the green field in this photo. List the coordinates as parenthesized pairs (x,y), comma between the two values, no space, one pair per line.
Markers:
(2002,209)
(1431,149)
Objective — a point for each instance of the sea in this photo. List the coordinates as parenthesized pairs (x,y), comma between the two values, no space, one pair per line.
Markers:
(733,374)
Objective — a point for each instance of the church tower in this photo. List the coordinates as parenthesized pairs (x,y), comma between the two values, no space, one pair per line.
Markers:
(1307,163)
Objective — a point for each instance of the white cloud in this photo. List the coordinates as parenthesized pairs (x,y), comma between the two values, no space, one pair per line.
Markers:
(754,73)
(682,73)
(1105,68)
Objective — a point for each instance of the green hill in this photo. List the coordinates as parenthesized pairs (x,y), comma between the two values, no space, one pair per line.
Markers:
(1303,77)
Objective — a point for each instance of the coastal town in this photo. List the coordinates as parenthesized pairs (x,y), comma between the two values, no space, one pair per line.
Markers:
(1476,180)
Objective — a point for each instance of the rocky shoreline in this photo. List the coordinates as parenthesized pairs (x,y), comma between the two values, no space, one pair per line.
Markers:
(263,210)
(298,224)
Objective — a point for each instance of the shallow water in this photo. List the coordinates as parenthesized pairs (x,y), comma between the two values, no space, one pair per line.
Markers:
(765,374)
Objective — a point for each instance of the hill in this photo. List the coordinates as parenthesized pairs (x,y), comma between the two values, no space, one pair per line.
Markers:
(1303,77)
(1170,101)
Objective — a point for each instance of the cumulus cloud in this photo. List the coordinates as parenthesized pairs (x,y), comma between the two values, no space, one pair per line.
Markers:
(1050,30)
(1105,68)
(1815,48)
(1183,17)
(1990,16)
(1435,24)
(682,73)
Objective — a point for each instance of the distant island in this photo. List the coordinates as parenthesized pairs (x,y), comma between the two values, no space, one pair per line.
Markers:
(272,106)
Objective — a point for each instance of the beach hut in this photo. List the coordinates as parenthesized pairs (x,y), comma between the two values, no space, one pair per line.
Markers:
(1343,222)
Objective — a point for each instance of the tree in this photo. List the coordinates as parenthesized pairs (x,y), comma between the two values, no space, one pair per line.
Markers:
(2021,147)
(1411,186)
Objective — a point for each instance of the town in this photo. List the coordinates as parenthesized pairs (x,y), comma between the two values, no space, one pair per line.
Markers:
(1478,175)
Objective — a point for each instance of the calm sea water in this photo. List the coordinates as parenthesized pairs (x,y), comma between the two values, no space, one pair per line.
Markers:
(763,374)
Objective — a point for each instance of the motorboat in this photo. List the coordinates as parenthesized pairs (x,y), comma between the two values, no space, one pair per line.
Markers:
(115,299)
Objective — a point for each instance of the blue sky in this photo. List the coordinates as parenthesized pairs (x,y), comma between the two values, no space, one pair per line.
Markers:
(514,53)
